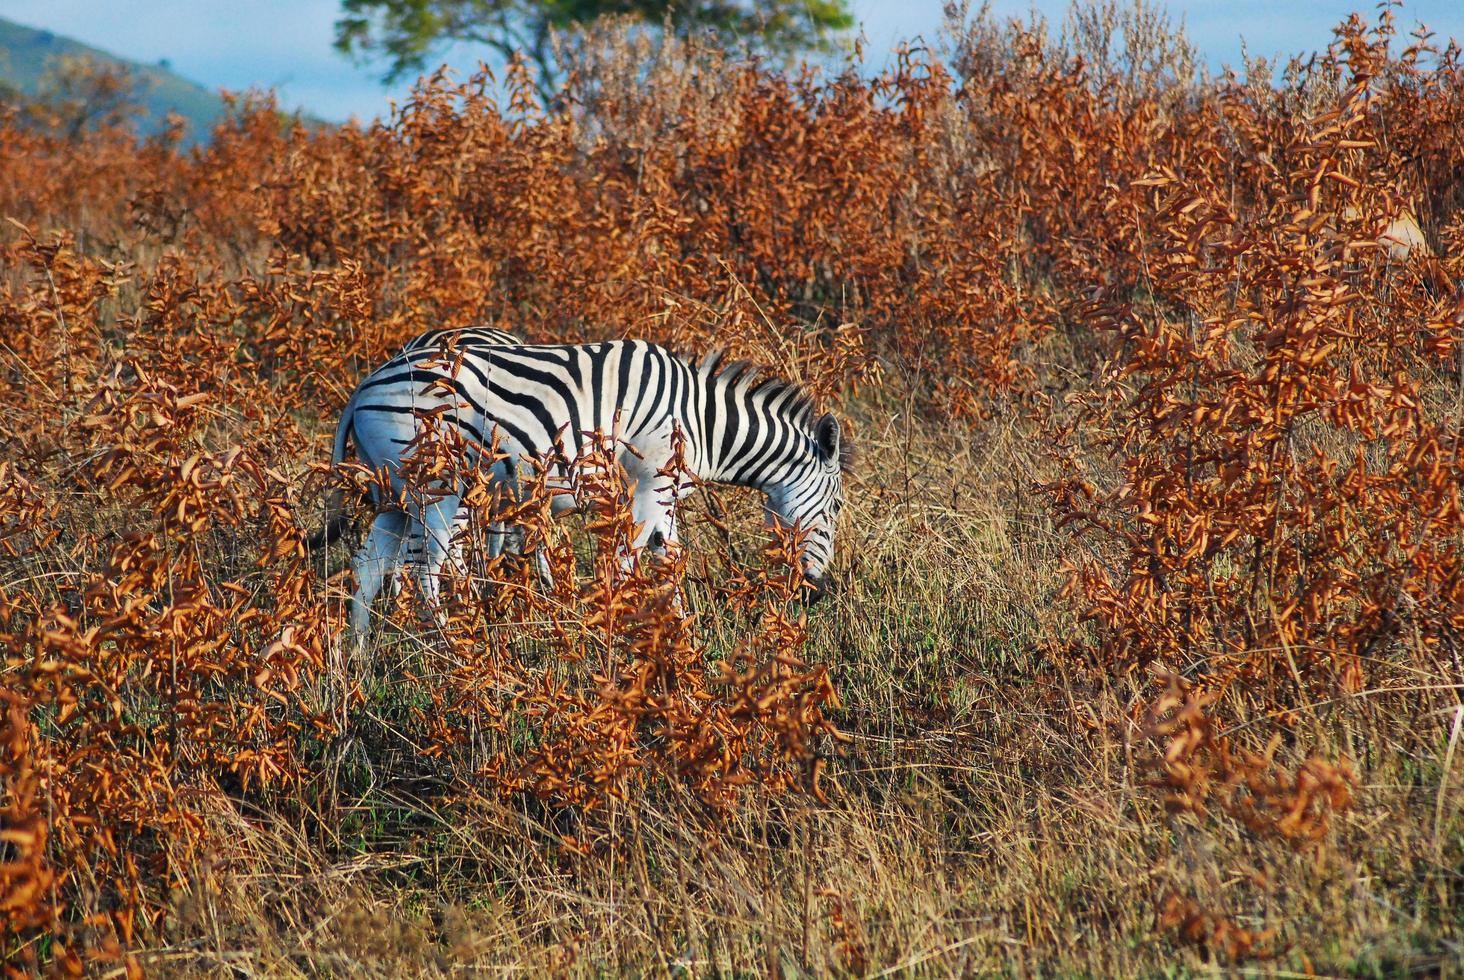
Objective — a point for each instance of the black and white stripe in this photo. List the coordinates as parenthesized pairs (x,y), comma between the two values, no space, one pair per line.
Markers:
(461,337)
(543,402)
(413,552)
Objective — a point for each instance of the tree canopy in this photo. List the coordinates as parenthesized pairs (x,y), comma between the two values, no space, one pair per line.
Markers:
(406,32)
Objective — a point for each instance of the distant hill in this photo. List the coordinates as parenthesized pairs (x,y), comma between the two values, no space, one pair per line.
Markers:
(26,53)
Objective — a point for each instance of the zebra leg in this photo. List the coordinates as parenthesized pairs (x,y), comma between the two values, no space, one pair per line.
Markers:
(436,524)
(497,541)
(408,559)
(512,542)
(506,538)
(507,484)
(541,562)
(414,556)
(376,562)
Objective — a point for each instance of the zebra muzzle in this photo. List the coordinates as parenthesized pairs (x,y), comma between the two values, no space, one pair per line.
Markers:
(815,588)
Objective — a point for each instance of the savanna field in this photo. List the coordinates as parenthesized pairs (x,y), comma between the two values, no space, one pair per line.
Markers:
(1143,648)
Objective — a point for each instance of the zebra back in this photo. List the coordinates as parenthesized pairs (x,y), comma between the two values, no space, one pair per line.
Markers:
(461,337)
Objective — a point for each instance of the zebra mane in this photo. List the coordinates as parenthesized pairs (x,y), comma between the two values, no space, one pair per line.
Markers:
(799,405)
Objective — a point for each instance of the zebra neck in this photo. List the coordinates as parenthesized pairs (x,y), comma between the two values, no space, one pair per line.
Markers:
(749,438)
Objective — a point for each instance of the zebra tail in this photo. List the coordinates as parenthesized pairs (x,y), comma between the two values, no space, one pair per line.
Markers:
(335,511)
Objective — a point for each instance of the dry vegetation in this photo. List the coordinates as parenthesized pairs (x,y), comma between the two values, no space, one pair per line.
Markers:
(1145,653)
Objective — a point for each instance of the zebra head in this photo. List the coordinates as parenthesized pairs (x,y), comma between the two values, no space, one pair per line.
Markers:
(808,500)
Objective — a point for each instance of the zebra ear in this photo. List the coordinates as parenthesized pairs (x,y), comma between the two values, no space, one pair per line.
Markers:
(826,436)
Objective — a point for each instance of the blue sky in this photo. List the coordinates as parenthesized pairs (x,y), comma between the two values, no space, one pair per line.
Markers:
(286,44)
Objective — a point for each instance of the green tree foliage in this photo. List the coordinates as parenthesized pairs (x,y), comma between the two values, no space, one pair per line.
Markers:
(406,32)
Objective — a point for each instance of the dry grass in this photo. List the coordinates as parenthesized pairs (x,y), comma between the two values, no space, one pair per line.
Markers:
(986,815)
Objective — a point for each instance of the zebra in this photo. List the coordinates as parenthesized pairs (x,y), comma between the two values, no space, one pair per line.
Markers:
(733,425)
(460,337)
(412,550)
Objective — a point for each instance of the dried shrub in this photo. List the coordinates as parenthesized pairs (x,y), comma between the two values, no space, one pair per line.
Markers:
(1281,528)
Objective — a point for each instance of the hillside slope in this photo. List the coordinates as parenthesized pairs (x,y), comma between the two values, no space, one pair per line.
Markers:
(26,53)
